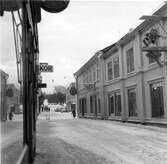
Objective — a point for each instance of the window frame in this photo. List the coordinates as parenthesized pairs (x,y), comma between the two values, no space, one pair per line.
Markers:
(113,68)
(128,65)
(136,108)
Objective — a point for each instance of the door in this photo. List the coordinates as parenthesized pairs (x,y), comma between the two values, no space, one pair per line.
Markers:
(157,100)
(111,104)
(95,105)
(83,107)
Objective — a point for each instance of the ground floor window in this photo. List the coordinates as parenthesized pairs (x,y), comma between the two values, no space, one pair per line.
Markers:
(157,100)
(132,102)
(111,104)
(93,104)
(117,104)
(114,104)
(99,106)
(83,106)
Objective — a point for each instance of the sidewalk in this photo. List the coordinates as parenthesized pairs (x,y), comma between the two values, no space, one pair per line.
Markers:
(11,140)
(54,116)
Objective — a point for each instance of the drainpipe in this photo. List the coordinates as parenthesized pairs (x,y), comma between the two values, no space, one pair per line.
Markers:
(101,79)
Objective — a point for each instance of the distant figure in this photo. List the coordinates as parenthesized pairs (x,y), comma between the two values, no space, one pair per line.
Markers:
(10,115)
(74,113)
(42,107)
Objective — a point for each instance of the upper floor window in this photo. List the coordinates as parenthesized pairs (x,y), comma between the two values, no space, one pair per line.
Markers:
(94,73)
(87,77)
(151,60)
(130,60)
(110,71)
(90,76)
(113,68)
(116,66)
(98,71)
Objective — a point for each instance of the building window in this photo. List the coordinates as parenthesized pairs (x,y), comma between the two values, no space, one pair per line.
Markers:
(151,60)
(94,73)
(116,66)
(90,75)
(111,104)
(113,68)
(114,104)
(99,107)
(110,71)
(83,106)
(130,60)
(157,100)
(80,106)
(98,71)
(132,102)
(84,78)
(87,77)
(117,104)
(91,104)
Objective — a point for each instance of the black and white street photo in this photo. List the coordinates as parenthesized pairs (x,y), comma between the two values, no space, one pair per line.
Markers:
(83,82)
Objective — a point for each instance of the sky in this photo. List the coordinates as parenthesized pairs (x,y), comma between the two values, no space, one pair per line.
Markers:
(70,38)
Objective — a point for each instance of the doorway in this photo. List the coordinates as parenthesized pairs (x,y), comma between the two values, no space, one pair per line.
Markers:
(157,100)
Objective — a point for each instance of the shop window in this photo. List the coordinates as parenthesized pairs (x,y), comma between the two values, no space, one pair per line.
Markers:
(91,104)
(99,106)
(117,104)
(111,104)
(80,106)
(130,60)
(157,100)
(83,106)
(132,102)
(114,104)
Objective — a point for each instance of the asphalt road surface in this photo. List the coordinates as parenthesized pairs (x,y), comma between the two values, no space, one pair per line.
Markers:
(84,141)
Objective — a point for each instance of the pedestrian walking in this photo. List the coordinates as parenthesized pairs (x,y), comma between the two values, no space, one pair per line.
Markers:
(10,115)
(74,113)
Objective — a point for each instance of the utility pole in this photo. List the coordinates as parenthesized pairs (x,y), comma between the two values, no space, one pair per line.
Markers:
(29,136)
(31,15)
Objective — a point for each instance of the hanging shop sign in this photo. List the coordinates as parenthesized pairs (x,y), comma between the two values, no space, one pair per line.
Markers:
(73,91)
(44,67)
(41,85)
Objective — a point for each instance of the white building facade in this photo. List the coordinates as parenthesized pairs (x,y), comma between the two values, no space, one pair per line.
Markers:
(131,85)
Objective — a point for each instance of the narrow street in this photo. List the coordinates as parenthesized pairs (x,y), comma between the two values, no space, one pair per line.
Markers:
(84,141)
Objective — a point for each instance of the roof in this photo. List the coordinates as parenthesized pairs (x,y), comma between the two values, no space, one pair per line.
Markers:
(93,59)
(130,35)
(106,52)
(3,74)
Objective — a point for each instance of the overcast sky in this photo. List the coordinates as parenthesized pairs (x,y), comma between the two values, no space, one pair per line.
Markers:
(68,39)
